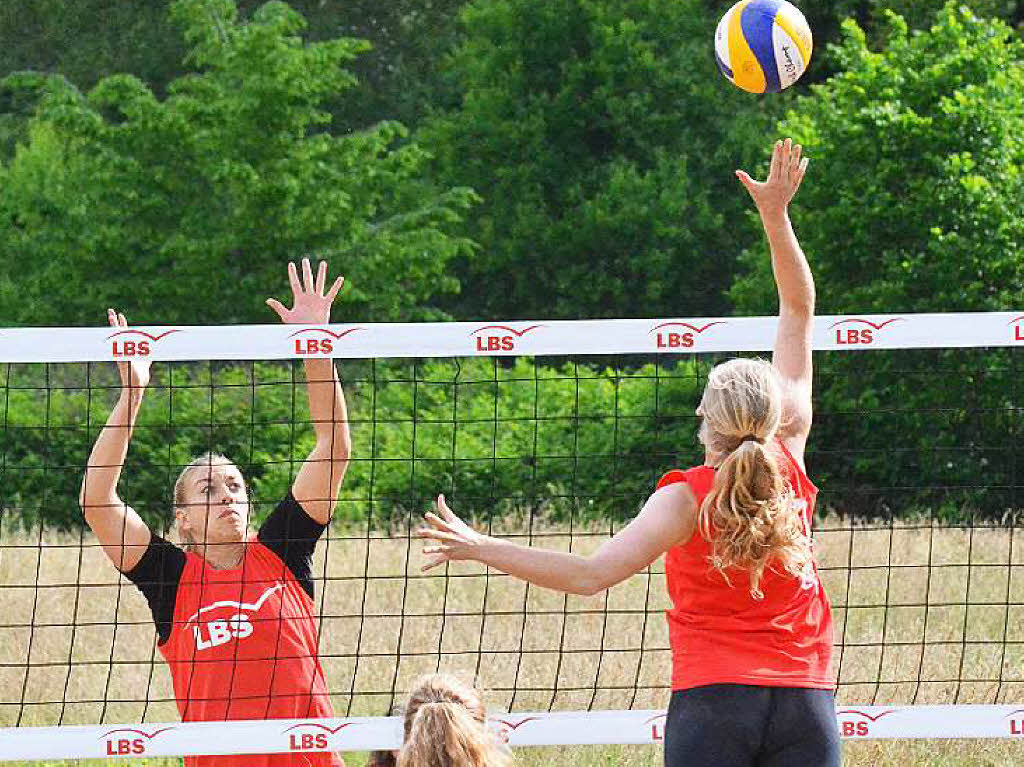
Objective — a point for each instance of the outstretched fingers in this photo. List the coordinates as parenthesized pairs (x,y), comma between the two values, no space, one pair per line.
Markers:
(798,175)
(777,163)
(278,308)
(446,513)
(293,278)
(321,278)
(307,275)
(338,283)
(440,535)
(442,557)
(794,158)
(747,181)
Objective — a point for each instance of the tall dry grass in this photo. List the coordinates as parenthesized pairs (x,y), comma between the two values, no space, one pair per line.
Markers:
(924,614)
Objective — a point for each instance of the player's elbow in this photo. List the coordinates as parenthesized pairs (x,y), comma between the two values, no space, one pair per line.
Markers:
(589,589)
(800,306)
(95,501)
(590,581)
(336,444)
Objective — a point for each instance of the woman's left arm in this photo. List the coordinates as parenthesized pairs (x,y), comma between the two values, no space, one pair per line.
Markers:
(319,479)
(668,518)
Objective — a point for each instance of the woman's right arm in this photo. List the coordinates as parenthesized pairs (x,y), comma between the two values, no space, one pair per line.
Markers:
(793,341)
(119,529)
(668,518)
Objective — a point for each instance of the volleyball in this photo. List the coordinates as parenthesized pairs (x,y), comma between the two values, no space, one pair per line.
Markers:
(763,46)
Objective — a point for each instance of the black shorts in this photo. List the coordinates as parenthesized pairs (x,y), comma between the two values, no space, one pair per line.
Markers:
(738,725)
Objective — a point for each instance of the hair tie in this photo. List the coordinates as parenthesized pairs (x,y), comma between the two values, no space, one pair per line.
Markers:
(752,438)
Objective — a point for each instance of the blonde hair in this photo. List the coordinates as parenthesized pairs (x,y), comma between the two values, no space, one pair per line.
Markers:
(204,461)
(749,516)
(446,726)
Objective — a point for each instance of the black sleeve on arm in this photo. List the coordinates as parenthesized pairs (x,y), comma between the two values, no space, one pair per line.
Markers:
(292,534)
(157,576)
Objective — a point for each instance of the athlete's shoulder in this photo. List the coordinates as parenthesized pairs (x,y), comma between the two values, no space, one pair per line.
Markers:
(696,477)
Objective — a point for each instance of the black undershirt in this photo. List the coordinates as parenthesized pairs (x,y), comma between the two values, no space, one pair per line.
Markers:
(289,532)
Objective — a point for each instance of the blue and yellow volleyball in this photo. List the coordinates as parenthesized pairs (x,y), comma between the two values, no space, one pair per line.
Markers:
(763,46)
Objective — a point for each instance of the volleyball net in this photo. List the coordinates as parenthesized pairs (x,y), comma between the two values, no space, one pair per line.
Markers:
(551,433)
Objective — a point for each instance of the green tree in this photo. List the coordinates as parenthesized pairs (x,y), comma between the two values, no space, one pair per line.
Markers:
(603,140)
(913,205)
(206,193)
(89,39)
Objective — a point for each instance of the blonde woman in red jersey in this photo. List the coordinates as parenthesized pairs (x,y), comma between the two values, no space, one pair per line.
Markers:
(750,627)
(234,613)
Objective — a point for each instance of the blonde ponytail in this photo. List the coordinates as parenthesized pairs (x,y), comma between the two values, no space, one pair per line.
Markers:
(749,517)
(446,726)
(751,520)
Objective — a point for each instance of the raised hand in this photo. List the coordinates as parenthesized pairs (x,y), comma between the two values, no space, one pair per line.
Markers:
(784,177)
(134,374)
(311,306)
(454,539)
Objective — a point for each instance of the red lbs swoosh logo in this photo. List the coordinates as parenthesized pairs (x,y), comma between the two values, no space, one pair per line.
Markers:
(312,741)
(507,329)
(144,334)
(858,729)
(503,727)
(862,333)
(128,741)
(1015,723)
(876,326)
(318,341)
(321,726)
(1018,332)
(336,336)
(866,715)
(135,343)
(143,733)
(499,338)
(657,725)
(679,335)
(514,725)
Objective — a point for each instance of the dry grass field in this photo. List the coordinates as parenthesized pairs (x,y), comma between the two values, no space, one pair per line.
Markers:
(924,615)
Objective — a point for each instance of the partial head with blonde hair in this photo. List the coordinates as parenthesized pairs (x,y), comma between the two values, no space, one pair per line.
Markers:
(211,503)
(446,726)
(749,516)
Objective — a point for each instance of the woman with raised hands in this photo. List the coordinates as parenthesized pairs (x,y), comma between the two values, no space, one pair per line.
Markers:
(234,612)
(750,627)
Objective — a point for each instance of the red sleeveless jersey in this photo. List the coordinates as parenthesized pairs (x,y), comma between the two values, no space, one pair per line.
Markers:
(720,634)
(244,646)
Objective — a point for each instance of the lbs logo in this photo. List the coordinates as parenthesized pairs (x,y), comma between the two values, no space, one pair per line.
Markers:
(854,723)
(311,342)
(312,736)
(859,332)
(1015,723)
(504,728)
(657,725)
(1018,331)
(134,343)
(128,741)
(499,338)
(678,335)
(237,625)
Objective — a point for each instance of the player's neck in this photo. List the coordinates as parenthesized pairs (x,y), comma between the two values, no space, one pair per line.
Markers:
(224,556)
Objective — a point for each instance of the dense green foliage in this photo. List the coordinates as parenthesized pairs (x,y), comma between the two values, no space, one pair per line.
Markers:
(934,226)
(556,158)
(602,141)
(218,184)
(508,439)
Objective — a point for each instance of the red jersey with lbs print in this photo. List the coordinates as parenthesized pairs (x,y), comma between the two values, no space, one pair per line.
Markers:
(720,634)
(244,646)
